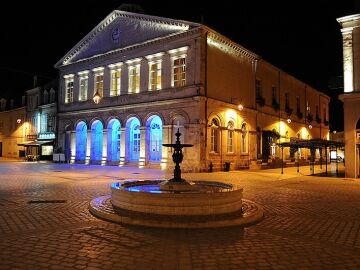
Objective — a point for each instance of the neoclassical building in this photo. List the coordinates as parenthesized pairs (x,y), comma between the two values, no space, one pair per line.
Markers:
(151,75)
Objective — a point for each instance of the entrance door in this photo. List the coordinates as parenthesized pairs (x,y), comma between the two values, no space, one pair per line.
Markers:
(0,149)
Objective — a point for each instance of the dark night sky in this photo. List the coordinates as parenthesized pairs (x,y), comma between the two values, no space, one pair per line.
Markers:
(300,37)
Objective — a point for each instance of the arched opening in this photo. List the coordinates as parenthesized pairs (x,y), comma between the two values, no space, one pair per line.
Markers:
(96,140)
(81,141)
(154,138)
(230,137)
(113,140)
(214,135)
(133,139)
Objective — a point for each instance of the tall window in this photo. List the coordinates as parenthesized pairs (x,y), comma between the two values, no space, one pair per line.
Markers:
(69,91)
(298,104)
(308,106)
(258,89)
(243,138)
(134,79)
(287,100)
(155,75)
(215,136)
(317,111)
(99,84)
(83,82)
(230,137)
(45,97)
(273,94)
(179,72)
(324,114)
(115,82)
(52,95)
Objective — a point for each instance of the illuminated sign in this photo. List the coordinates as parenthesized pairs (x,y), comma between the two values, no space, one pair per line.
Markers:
(46,136)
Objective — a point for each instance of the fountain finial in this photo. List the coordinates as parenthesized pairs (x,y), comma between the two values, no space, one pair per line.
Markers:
(177,158)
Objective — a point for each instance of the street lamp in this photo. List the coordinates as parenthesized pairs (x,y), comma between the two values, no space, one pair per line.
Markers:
(239,103)
(97,97)
(310,126)
(289,120)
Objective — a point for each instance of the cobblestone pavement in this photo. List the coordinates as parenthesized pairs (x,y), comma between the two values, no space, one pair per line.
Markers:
(310,223)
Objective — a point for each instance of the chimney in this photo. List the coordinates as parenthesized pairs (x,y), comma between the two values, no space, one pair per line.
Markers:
(35,80)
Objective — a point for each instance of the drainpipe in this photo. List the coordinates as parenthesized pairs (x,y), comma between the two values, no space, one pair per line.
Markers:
(206,99)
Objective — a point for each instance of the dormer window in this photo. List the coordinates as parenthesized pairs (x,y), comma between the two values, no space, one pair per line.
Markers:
(45,97)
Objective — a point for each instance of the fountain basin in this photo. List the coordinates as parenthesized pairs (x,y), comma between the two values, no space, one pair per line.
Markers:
(204,198)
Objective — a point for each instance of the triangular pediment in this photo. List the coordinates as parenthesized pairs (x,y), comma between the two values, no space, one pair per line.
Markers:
(122,29)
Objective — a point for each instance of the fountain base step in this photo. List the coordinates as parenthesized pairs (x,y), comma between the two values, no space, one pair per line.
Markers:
(102,207)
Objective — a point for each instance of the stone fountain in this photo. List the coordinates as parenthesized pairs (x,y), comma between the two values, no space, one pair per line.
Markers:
(176,203)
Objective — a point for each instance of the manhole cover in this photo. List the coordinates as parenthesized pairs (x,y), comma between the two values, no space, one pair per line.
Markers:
(47,201)
(57,171)
(136,173)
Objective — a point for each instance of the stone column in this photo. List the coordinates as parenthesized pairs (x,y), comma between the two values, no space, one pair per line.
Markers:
(107,78)
(76,88)
(144,156)
(73,145)
(144,75)
(122,146)
(166,71)
(88,145)
(91,85)
(104,149)
(348,59)
(124,89)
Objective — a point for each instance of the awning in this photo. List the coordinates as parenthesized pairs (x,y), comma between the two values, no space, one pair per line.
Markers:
(34,143)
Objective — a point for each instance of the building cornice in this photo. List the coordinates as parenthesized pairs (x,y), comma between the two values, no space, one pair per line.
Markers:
(350,96)
(136,46)
(228,44)
(182,25)
(124,107)
(349,18)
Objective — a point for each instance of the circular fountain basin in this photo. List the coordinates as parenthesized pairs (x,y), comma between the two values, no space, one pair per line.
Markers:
(202,199)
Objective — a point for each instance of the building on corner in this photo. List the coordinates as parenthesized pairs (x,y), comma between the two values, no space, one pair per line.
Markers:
(155,75)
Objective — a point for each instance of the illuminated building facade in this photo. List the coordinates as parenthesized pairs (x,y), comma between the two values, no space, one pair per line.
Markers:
(13,129)
(351,97)
(155,75)
(41,121)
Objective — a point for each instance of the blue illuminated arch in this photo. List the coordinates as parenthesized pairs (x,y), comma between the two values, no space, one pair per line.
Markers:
(154,138)
(133,139)
(96,139)
(81,141)
(113,140)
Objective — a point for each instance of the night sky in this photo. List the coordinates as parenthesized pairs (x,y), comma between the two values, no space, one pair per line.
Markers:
(301,37)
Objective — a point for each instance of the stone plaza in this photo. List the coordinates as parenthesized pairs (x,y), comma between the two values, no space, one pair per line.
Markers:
(310,223)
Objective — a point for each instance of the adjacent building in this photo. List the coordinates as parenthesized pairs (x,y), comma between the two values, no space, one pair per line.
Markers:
(12,128)
(150,76)
(351,96)
(41,117)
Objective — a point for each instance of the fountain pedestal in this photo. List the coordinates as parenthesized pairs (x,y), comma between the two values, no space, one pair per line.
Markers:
(175,202)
